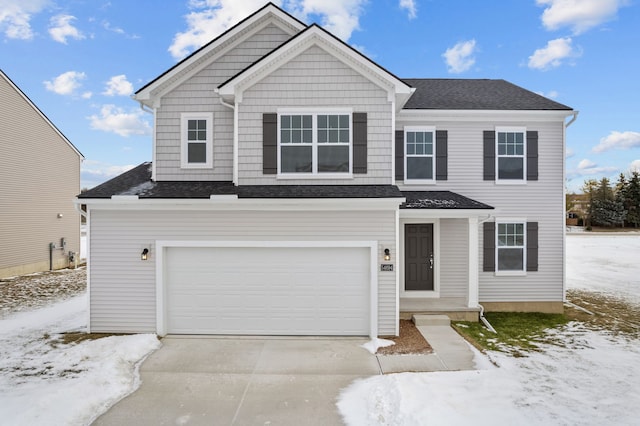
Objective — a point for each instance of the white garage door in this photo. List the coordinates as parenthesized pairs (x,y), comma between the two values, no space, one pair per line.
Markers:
(267,291)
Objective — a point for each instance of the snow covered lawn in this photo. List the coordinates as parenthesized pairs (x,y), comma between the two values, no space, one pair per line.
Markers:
(591,378)
(44,381)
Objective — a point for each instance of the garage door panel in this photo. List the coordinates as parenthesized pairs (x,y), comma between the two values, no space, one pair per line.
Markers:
(241,290)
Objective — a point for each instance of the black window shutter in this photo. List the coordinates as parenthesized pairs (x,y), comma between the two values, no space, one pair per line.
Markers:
(532,155)
(441,154)
(400,155)
(489,247)
(359,142)
(489,139)
(532,246)
(270,143)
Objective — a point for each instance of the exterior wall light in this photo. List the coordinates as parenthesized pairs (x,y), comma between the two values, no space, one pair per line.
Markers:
(145,254)
(387,254)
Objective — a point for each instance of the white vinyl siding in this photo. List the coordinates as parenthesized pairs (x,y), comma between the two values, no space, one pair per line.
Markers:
(539,201)
(39,177)
(197,94)
(315,80)
(454,258)
(123,287)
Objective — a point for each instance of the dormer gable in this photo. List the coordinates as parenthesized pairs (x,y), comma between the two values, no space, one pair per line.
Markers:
(270,14)
(314,35)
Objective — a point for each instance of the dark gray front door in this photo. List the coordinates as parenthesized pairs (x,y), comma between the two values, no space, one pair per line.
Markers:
(418,257)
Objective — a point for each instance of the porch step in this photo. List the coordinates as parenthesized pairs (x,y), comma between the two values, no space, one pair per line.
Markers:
(431,320)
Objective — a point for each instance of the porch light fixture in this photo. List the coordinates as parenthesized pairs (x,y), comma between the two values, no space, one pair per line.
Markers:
(387,254)
(145,254)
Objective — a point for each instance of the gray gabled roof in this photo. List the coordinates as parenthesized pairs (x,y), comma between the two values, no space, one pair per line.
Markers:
(475,94)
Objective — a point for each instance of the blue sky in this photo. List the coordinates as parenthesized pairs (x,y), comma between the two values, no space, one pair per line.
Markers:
(80,60)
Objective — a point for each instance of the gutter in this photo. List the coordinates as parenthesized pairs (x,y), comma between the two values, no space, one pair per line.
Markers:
(574,118)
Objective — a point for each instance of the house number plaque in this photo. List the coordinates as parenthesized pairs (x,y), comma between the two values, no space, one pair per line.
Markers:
(386,267)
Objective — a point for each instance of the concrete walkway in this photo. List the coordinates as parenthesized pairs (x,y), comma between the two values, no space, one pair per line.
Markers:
(265,381)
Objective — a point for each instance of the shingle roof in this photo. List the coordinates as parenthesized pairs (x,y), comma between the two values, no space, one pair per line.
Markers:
(137,181)
(440,200)
(475,94)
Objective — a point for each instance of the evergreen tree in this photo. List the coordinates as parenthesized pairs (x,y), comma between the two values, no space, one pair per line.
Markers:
(589,188)
(632,199)
(608,213)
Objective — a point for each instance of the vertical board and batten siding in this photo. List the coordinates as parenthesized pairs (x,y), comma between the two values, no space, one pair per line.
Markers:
(536,201)
(40,176)
(315,78)
(454,258)
(197,95)
(123,287)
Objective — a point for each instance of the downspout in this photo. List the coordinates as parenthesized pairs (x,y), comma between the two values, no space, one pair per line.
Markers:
(574,118)
(235,137)
(564,205)
(482,317)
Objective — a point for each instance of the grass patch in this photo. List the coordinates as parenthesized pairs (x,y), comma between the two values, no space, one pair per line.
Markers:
(518,332)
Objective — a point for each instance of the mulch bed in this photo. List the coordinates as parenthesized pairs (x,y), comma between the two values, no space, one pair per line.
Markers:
(410,342)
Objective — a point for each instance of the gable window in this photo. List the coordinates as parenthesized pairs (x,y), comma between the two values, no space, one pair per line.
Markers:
(315,143)
(196,140)
(420,154)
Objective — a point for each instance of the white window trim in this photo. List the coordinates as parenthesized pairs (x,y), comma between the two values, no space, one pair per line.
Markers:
(184,118)
(431,181)
(503,221)
(522,181)
(314,112)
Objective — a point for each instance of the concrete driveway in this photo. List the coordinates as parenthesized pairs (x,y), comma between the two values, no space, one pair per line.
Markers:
(244,381)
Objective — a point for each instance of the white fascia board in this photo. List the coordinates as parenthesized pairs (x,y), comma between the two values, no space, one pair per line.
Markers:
(315,36)
(226,42)
(445,213)
(482,115)
(244,204)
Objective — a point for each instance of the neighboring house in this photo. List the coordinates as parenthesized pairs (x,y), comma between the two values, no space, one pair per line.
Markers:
(39,178)
(299,188)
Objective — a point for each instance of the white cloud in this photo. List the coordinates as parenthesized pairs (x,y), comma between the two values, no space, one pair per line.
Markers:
(15,17)
(618,140)
(635,166)
(410,6)
(60,28)
(118,85)
(553,54)
(95,172)
(587,167)
(66,83)
(118,121)
(459,58)
(569,153)
(552,94)
(209,19)
(579,15)
(86,95)
(339,17)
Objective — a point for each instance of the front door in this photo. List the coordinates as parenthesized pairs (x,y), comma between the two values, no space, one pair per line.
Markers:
(418,257)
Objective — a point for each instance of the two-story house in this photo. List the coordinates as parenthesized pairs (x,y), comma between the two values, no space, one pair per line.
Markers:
(39,177)
(299,188)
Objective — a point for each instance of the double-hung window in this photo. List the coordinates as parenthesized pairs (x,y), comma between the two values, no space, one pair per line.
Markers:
(196,140)
(511,247)
(511,154)
(420,143)
(315,143)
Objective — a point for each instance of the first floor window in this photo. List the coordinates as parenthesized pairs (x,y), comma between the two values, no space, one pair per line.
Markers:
(315,143)
(511,154)
(420,154)
(510,247)
(197,140)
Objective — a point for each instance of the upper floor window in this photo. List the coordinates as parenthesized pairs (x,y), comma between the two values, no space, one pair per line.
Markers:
(511,154)
(196,140)
(315,143)
(420,143)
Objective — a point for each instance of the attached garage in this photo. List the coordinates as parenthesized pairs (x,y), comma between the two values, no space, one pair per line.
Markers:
(267,288)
